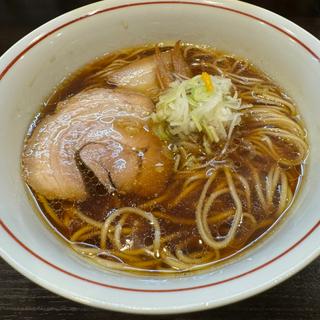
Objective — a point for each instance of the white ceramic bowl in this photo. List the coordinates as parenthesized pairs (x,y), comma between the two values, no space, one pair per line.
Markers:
(32,67)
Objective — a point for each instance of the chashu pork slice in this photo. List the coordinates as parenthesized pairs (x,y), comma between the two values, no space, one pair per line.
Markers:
(152,73)
(89,117)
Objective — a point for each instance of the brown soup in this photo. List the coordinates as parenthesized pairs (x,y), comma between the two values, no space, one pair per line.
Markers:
(218,197)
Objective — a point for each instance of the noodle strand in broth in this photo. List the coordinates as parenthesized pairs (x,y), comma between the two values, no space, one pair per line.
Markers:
(226,185)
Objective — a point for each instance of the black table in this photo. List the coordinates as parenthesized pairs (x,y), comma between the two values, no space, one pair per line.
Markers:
(297,298)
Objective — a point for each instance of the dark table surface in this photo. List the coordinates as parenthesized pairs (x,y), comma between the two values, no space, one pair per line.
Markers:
(297,298)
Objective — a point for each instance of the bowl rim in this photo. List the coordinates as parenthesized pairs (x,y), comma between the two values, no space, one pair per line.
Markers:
(101,284)
(41,34)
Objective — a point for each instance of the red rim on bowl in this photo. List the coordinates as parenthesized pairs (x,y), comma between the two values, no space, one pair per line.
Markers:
(50,264)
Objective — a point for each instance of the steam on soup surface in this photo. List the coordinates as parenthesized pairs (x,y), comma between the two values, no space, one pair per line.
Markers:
(165,159)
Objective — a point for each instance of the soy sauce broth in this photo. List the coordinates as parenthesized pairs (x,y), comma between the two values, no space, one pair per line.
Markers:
(182,248)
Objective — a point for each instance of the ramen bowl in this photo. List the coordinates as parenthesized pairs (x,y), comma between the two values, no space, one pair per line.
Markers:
(36,64)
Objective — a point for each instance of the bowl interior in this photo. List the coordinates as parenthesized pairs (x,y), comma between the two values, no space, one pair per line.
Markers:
(56,54)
